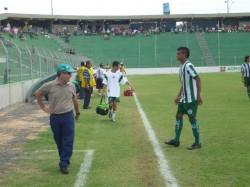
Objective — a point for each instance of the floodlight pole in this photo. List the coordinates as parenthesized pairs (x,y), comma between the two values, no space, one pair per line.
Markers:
(227,6)
(51,7)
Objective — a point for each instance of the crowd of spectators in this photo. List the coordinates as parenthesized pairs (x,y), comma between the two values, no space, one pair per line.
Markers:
(214,29)
(23,32)
(145,30)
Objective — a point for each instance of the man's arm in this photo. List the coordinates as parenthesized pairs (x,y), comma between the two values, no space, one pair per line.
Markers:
(76,106)
(242,78)
(39,96)
(85,74)
(104,89)
(131,88)
(177,99)
(198,84)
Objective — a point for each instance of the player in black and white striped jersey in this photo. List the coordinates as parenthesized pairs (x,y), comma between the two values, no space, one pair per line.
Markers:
(245,74)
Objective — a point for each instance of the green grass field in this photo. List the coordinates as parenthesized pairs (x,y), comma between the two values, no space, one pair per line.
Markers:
(123,155)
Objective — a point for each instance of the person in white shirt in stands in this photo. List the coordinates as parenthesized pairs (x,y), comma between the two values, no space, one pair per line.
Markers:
(99,78)
(111,81)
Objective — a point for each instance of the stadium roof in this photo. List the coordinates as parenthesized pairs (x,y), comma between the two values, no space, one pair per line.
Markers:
(176,17)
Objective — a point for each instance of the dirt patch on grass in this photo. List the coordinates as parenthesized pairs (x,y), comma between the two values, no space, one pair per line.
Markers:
(18,124)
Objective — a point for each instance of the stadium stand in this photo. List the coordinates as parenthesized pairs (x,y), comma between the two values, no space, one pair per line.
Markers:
(138,51)
(232,47)
(26,61)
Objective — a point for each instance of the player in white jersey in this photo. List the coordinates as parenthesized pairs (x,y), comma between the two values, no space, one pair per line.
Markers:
(111,81)
(187,99)
(245,72)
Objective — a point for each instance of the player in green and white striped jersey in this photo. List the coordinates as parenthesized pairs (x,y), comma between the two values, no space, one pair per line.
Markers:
(187,99)
(245,72)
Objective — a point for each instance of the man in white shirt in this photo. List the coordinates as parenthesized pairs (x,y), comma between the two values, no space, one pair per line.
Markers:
(99,78)
(111,81)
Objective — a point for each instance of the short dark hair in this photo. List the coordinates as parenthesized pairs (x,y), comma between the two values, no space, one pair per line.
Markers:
(101,65)
(88,62)
(184,50)
(246,57)
(82,63)
(59,73)
(115,63)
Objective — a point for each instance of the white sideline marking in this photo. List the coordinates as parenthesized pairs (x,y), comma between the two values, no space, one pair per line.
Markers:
(162,161)
(84,169)
(51,151)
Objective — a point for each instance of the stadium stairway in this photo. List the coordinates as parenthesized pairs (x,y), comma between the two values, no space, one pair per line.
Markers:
(208,57)
(64,45)
(58,40)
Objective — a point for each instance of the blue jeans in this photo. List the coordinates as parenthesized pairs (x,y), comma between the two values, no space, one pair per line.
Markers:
(63,128)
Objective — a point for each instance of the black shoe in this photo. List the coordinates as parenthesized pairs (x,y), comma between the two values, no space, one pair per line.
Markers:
(110,114)
(64,170)
(86,107)
(173,142)
(194,146)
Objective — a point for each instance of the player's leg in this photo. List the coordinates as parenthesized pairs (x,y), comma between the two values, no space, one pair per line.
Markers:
(178,126)
(111,104)
(114,110)
(248,91)
(247,84)
(192,111)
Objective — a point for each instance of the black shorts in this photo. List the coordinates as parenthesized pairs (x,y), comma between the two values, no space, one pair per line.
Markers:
(99,84)
(247,81)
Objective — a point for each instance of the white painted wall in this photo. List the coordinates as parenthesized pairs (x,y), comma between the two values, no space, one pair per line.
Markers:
(14,93)
(174,70)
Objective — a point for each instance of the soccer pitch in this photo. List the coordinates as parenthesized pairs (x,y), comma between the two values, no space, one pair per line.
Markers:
(121,154)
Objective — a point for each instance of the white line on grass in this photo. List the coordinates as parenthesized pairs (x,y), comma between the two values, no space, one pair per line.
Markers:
(162,161)
(54,150)
(84,169)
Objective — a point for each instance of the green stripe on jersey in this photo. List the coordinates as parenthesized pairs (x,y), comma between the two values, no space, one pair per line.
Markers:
(105,76)
(192,68)
(121,78)
(192,89)
(184,85)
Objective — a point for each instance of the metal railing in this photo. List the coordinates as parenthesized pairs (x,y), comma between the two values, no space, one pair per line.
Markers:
(19,63)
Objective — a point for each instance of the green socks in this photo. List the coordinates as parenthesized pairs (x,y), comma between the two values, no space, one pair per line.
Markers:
(195,129)
(178,128)
(248,92)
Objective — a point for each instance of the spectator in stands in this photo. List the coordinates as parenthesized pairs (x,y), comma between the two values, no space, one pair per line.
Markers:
(15,31)
(106,37)
(67,37)
(62,98)
(11,34)
(245,72)
(33,35)
(99,78)
(33,50)
(22,37)
(1,36)
(55,63)
(6,76)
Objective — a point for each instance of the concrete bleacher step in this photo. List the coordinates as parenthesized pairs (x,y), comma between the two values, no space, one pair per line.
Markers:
(207,55)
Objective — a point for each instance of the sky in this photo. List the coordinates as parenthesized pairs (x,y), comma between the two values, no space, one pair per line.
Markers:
(122,7)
